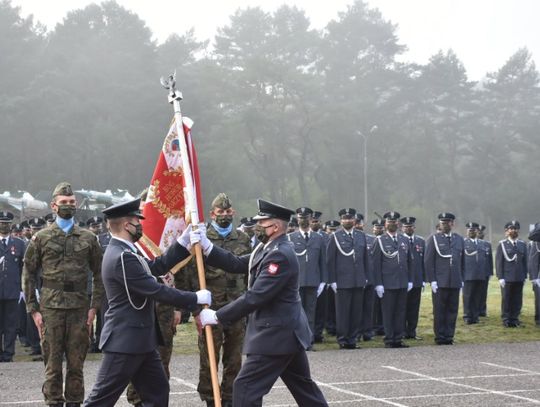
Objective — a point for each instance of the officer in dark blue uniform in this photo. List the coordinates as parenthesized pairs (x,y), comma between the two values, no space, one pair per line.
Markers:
(533,264)
(393,278)
(330,322)
(511,269)
(417,246)
(130,334)
(310,249)
(478,263)
(11,262)
(322,299)
(348,269)
(377,228)
(277,333)
(489,272)
(366,326)
(444,260)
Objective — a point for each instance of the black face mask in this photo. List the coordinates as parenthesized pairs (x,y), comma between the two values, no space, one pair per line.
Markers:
(260,233)
(66,211)
(224,220)
(304,224)
(138,232)
(5,228)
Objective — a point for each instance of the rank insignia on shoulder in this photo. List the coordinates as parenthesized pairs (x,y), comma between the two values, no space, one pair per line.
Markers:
(273,268)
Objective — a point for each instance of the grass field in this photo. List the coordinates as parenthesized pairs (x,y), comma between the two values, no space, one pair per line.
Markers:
(490,328)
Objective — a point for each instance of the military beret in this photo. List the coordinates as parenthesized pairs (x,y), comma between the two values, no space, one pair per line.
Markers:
(347,213)
(316,215)
(472,225)
(63,188)
(122,209)
(408,220)
(268,210)
(378,222)
(6,216)
(94,220)
(359,217)
(446,216)
(36,223)
(221,201)
(512,224)
(304,212)
(391,215)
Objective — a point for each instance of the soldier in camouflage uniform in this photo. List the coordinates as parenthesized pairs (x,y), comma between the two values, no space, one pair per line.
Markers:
(63,317)
(225,288)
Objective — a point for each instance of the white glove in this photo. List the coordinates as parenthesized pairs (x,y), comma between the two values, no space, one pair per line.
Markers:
(21,297)
(379,289)
(502,282)
(333,286)
(434,287)
(183,239)
(409,286)
(537,282)
(320,288)
(204,297)
(208,317)
(199,236)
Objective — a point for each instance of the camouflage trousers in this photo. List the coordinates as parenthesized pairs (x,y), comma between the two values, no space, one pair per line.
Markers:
(65,333)
(165,315)
(227,341)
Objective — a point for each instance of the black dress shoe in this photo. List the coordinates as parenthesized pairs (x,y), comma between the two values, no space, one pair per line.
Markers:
(367,338)
(401,345)
(388,345)
(318,339)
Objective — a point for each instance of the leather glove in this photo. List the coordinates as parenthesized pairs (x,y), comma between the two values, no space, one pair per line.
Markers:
(183,239)
(199,236)
(502,282)
(333,286)
(434,287)
(208,317)
(409,286)
(204,297)
(379,289)
(320,288)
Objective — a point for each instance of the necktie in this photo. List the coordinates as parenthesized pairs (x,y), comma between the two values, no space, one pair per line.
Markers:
(306,236)
(4,243)
(394,239)
(411,241)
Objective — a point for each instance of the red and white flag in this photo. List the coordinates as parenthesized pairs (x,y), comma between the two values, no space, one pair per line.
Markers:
(166,209)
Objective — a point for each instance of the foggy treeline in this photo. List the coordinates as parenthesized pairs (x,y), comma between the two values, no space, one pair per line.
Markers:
(281,111)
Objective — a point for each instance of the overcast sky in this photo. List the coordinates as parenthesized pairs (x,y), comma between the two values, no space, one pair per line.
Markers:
(483,33)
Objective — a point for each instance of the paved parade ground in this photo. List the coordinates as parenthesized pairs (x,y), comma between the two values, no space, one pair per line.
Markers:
(460,375)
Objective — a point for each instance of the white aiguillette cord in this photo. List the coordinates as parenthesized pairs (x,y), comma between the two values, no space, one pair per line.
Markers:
(505,254)
(145,267)
(299,254)
(351,253)
(388,255)
(444,256)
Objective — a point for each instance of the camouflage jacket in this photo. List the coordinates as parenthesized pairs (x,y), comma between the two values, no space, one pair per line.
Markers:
(225,287)
(65,261)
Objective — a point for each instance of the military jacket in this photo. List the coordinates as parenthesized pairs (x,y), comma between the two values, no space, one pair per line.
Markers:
(478,259)
(11,263)
(391,262)
(533,263)
(277,324)
(225,287)
(417,247)
(511,261)
(65,260)
(370,241)
(444,260)
(348,259)
(311,255)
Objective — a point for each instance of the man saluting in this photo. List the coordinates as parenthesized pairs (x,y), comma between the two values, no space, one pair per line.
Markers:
(277,334)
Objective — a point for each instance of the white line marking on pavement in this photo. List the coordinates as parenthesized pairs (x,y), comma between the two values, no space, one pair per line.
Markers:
(184,382)
(353,393)
(501,393)
(13,403)
(510,368)
(472,393)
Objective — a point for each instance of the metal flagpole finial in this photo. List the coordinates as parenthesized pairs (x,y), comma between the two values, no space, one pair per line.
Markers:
(170,84)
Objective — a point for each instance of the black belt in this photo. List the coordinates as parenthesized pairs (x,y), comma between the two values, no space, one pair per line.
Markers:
(67,286)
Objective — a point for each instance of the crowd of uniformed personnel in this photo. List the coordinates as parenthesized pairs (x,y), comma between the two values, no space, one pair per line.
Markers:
(352,284)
